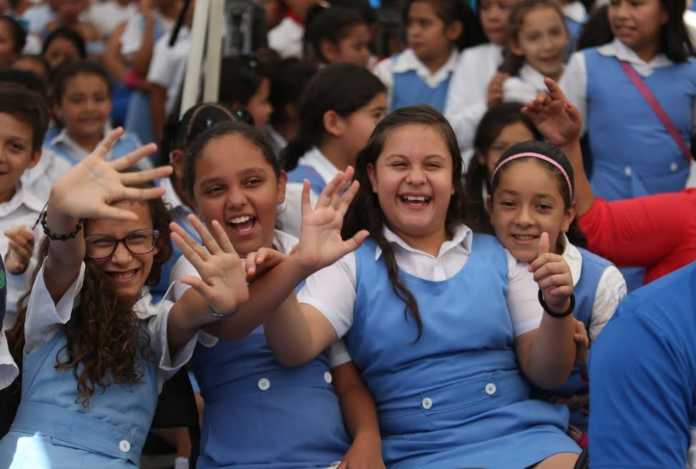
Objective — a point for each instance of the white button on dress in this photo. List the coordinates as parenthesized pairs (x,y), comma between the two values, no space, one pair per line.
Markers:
(427,403)
(264,384)
(628,171)
(124,446)
(327,377)
(491,389)
(674,166)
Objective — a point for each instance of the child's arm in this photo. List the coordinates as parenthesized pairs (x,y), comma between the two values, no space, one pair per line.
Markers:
(547,353)
(86,191)
(219,290)
(360,416)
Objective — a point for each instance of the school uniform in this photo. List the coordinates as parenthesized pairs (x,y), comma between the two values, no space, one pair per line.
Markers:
(8,367)
(286,38)
(467,99)
(316,168)
(53,430)
(575,16)
(168,66)
(455,397)
(643,375)
(599,287)
(23,209)
(411,83)
(40,179)
(65,147)
(524,87)
(632,153)
(259,413)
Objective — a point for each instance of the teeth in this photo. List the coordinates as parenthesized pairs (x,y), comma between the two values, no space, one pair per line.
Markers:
(242,219)
(414,198)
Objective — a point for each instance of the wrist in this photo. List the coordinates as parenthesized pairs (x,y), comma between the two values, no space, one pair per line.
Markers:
(567,310)
(299,266)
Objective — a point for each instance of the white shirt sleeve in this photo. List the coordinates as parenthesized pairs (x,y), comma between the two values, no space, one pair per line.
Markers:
(383,70)
(574,83)
(518,91)
(525,311)
(8,368)
(610,291)
(162,69)
(338,355)
(290,212)
(44,317)
(132,35)
(332,291)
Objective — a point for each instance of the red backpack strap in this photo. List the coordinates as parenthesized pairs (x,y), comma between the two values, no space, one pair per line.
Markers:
(657,109)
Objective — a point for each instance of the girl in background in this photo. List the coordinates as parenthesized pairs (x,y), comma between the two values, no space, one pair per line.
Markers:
(62,46)
(12,41)
(338,111)
(536,48)
(245,84)
(436,30)
(337,35)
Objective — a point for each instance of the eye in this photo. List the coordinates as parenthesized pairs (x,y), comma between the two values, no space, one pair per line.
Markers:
(252,181)
(507,203)
(213,190)
(544,207)
(101,242)
(398,164)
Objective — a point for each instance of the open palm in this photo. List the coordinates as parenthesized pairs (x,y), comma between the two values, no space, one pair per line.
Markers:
(321,243)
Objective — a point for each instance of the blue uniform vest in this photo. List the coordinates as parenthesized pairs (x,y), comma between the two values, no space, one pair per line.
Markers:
(593,267)
(409,90)
(302,172)
(53,431)
(259,414)
(632,153)
(455,397)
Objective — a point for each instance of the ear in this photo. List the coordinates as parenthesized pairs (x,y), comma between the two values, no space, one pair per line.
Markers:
(328,50)
(282,182)
(568,217)
(176,159)
(454,30)
(34,158)
(372,175)
(334,124)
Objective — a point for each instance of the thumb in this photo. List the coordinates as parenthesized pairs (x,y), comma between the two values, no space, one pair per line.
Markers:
(543,244)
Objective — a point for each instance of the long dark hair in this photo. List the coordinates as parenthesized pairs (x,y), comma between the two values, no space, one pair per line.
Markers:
(675,41)
(556,154)
(342,88)
(450,11)
(331,24)
(491,125)
(365,211)
(105,339)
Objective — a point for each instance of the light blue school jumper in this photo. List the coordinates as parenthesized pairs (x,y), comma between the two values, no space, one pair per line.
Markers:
(633,155)
(455,398)
(110,434)
(593,267)
(259,414)
(408,89)
(302,172)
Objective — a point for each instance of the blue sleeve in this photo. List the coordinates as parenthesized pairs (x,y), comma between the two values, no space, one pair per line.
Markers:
(641,395)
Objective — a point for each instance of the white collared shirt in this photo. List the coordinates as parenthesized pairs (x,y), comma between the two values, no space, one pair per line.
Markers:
(282,242)
(286,38)
(40,178)
(290,211)
(523,87)
(168,65)
(467,95)
(576,11)
(574,80)
(45,318)
(332,290)
(610,290)
(22,209)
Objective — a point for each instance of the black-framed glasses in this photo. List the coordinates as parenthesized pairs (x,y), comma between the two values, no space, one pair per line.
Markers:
(138,243)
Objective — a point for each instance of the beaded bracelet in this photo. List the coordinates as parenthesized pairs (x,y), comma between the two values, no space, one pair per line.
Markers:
(58,237)
(554,314)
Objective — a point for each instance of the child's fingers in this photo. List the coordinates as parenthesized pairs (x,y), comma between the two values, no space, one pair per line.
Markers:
(133,157)
(197,284)
(348,197)
(565,290)
(250,264)
(550,268)
(552,281)
(19,251)
(326,196)
(114,213)
(104,147)
(192,252)
(354,243)
(137,193)
(544,244)
(306,205)
(134,178)
(20,239)
(222,239)
(208,241)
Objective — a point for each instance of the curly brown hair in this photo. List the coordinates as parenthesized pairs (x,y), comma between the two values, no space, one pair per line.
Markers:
(106,342)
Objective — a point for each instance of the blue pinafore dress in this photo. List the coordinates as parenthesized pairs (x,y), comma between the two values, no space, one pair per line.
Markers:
(455,398)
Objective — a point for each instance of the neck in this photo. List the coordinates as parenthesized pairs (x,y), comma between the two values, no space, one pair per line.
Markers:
(429,244)
(287,129)
(6,195)
(336,155)
(86,142)
(434,64)
(646,53)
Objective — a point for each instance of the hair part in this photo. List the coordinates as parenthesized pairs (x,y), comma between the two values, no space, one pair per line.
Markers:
(366,213)
(342,88)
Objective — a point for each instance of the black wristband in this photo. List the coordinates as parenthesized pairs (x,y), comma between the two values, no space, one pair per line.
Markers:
(58,237)
(554,314)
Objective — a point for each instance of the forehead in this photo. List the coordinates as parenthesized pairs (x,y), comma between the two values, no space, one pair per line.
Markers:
(529,175)
(122,228)
(540,16)
(85,82)
(228,155)
(13,127)
(415,141)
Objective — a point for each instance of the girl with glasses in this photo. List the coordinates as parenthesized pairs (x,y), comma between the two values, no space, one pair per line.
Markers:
(94,351)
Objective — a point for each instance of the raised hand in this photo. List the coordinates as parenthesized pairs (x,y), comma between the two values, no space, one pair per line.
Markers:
(554,116)
(494,93)
(320,235)
(552,274)
(20,249)
(90,188)
(261,261)
(222,281)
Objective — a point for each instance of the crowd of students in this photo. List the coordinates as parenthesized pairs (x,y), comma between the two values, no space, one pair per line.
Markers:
(403,247)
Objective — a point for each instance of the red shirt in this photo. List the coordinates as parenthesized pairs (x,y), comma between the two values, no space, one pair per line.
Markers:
(657,232)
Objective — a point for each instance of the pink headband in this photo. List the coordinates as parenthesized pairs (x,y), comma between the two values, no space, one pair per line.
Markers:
(538,156)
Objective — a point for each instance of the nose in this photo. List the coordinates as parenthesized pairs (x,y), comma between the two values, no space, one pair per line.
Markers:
(523,216)
(121,254)
(416,176)
(236,198)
